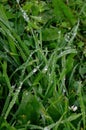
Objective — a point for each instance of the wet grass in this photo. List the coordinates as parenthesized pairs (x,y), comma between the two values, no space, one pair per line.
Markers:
(42,65)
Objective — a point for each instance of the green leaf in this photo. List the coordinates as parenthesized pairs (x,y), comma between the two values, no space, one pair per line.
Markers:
(49,34)
(61,9)
(29,109)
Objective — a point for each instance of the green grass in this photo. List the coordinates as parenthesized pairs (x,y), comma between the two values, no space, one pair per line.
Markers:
(42,65)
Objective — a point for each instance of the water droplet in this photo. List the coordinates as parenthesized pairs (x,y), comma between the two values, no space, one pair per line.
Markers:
(18,90)
(9,94)
(45,69)
(18,1)
(19,87)
(24,15)
(34,70)
(51,81)
(13,86)
(59,32)
(49,74)
(46,128)
(61,53)
(64,91)
(26,93)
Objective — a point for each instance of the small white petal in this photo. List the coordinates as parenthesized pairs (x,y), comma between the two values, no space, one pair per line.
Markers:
(73,108)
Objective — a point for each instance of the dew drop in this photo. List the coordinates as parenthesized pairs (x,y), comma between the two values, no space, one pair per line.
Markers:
(26,93)
(18,1)
(13,86)
(24,15)
(46,128)
(34,70)
(64,90)
(45,69)
(59,32)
